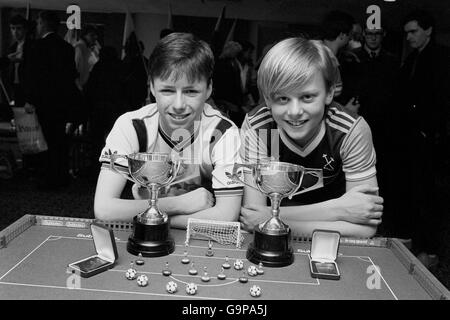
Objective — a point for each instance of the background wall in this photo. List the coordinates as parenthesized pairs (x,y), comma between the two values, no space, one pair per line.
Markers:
(259,21)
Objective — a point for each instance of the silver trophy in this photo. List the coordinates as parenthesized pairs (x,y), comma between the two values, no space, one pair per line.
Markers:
(150,228)
(276,180)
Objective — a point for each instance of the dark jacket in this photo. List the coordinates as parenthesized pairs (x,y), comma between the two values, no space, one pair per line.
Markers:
(425,90)
(52,79)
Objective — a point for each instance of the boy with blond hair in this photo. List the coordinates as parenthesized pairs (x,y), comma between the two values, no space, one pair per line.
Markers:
(300,123)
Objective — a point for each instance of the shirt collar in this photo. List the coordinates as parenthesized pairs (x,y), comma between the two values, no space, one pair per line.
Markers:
(45,35)
(179,146)
(369,51)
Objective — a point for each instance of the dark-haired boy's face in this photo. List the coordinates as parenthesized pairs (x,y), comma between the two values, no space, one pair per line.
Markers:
(300,113)
(180,102)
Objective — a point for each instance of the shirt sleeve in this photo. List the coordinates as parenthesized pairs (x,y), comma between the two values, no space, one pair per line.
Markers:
(358,153)
(224,155)
(122,140)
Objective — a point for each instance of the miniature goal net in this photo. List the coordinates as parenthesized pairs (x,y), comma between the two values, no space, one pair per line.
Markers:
(223,232)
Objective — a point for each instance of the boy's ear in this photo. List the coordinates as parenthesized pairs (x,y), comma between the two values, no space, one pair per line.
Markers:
(152,89)
(209,89)
(330,95)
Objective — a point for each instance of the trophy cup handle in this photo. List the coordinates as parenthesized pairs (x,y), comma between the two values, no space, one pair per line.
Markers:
(238,170)
(316,174)
(113,158)
(175,169)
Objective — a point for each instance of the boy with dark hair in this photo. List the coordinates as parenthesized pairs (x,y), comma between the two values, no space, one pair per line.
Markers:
(179,122)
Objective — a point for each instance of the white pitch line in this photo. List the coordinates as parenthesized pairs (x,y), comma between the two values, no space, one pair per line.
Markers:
(284,282)
(365,259)
(195,256)
(80,238)
(229,249)
(53,238)
(234,279)
(378,271)
(15,266)
(111,291)
(358,257)
(206,285)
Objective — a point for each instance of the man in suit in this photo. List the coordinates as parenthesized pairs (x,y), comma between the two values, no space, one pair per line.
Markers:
(53,96)
(424,103)
(371,74)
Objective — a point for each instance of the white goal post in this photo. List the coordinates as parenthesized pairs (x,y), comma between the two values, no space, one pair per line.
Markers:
(223,232)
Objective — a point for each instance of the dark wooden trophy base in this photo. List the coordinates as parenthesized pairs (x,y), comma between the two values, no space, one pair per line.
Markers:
(150,240)
(271,250)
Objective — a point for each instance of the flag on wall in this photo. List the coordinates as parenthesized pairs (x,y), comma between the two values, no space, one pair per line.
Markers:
(230,35)
(27,15)
(220,19)
(169,18)
(127,30)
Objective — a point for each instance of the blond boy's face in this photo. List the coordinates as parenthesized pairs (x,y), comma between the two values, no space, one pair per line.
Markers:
(299,113)
(180,103)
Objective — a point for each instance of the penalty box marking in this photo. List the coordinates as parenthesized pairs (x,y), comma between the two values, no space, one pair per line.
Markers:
(53,238)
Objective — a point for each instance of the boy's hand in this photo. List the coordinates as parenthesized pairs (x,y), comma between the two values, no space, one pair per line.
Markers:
(252,215)
(194,201)
(361,205)
(186,203)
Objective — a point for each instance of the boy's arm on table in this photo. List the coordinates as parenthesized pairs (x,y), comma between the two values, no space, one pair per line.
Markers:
(358,211)
(109,206)
(226,208)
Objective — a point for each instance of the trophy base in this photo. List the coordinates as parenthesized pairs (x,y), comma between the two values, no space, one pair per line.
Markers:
(271,250)
(150,240)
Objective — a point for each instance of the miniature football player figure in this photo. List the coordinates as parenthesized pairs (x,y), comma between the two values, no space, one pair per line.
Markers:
(185,259)
(192,270)
(299,123)
(209,252)
(205,277)
(167,272)
(180,122)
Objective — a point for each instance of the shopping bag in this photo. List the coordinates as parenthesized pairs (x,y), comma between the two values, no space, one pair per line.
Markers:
(29,133)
